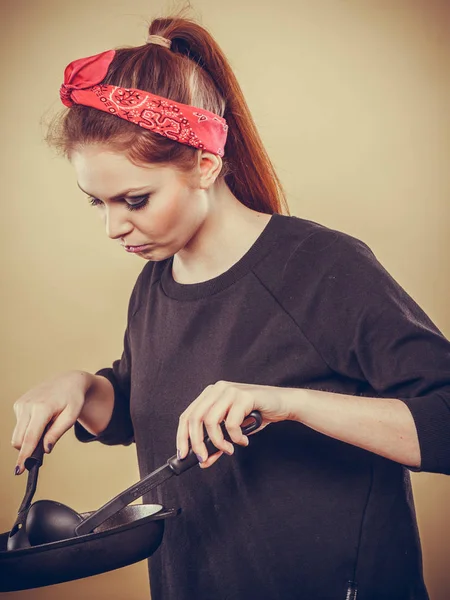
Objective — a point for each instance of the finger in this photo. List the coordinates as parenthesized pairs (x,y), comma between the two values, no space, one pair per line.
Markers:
(35,429)
(23,417)
(211,460)
(182,439)
(197,435)
(191,422)
(32,435)
(234,422)
(211,414)
(213,420)
(62,423)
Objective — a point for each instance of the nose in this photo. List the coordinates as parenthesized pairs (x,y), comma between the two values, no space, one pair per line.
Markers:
(116,223)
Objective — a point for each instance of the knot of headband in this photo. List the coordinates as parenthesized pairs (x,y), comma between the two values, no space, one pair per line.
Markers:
(182,123)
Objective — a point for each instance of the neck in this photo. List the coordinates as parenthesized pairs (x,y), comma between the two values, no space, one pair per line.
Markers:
(227,232)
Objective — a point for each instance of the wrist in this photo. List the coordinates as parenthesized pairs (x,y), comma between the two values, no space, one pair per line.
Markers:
(293,401)
(98,404)
(84,379)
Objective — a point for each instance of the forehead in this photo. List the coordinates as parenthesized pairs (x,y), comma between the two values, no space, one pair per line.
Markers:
(103,172)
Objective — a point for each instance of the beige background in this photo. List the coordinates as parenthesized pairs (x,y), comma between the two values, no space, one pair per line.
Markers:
(351,99)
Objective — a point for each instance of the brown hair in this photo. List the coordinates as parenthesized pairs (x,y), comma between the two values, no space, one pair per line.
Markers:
(193,71)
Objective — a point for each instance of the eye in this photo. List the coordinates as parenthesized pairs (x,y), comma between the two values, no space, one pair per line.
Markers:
(94,201)
(142,202)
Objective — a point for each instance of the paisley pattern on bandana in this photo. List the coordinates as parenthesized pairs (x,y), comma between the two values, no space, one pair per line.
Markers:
(182,123)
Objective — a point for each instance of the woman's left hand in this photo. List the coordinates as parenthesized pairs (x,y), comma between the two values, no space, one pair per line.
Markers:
(230,402)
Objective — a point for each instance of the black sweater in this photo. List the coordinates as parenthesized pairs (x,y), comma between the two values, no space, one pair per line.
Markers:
(297,514)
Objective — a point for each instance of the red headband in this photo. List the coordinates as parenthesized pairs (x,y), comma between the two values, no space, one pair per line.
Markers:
(180,122)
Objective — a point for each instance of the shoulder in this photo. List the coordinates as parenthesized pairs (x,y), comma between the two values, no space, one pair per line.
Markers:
(320,274)
(307,251)
(312,235)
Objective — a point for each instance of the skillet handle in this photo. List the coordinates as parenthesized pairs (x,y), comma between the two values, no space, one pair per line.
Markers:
(180,466)
(38,454)
(172,467)
(32,463)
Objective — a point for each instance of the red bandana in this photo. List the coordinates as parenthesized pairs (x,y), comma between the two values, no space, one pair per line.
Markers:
(180,122)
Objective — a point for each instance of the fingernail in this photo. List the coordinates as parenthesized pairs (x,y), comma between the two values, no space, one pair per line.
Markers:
(178,454)
(49,448)
(17,470)
(199,458)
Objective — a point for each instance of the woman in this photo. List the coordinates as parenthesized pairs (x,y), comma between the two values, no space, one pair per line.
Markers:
(241,307)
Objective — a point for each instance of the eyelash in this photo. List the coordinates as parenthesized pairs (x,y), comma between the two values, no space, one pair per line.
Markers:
(138,206)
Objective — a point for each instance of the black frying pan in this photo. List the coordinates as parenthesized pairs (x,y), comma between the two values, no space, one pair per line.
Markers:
(114,536)
(131,535)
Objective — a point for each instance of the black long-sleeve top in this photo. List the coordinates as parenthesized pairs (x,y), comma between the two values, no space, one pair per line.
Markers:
(297,514)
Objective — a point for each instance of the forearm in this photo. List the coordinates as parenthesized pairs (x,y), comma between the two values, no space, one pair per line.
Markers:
(384,426)
(98,405)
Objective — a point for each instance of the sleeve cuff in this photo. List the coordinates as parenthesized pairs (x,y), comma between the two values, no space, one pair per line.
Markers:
(119,430)
(431,416)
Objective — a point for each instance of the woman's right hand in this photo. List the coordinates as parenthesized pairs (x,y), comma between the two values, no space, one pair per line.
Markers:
(57,401)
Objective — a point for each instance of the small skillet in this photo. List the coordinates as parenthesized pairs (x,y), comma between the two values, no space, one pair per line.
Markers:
(51,543)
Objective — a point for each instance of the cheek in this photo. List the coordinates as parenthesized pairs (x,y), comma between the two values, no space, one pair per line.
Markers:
(173,212)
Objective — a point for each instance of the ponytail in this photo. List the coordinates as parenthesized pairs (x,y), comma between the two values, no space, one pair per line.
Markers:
(193,71)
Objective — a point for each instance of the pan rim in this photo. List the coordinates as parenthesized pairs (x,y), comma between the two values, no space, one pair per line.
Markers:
(162,513)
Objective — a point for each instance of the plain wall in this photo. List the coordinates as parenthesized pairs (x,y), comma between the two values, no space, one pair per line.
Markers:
(351,99)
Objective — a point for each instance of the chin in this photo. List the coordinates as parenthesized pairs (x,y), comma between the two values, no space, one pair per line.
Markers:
(155,255)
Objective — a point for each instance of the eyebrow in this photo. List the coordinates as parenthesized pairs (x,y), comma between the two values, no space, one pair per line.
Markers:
(117,196)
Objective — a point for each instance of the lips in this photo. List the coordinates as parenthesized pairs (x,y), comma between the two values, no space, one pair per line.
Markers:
(135,249)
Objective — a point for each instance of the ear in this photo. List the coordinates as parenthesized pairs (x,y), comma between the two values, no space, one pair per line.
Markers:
(209,165)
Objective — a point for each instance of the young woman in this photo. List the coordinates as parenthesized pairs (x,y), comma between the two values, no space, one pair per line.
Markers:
(240,307)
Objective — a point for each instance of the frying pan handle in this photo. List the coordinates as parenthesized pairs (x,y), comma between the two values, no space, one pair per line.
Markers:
(37,456)
(32,463)
(172,467)
(180,466)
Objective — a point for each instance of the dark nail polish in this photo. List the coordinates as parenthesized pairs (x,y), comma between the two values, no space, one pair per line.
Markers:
(17,470)
(199,458)
(49,448)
